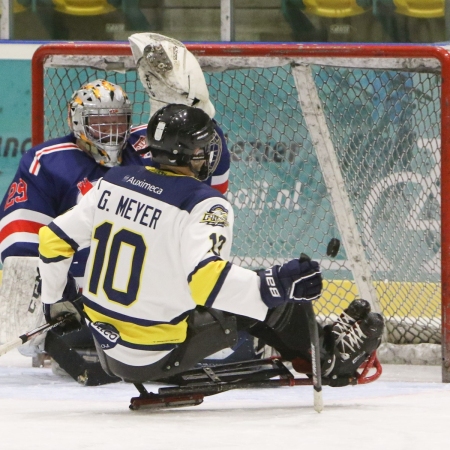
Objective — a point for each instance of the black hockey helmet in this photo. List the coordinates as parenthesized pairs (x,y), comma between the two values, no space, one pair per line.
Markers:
(173,134)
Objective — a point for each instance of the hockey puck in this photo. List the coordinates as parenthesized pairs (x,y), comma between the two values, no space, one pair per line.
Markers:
(333,247)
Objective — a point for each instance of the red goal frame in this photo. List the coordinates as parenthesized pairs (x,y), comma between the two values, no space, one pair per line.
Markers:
(294,50)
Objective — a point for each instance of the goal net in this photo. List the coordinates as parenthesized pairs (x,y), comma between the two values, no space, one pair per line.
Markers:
(326,141)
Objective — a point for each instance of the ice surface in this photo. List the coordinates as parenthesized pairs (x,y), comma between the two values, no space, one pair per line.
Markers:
(408,408)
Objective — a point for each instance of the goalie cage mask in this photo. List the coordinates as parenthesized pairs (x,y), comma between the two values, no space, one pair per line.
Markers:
(176,131)
(99,115)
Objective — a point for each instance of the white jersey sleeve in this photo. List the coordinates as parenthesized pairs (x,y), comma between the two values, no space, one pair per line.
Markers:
(205,249)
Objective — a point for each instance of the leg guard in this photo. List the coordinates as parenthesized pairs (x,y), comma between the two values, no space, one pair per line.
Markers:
(286,329)
(59,345)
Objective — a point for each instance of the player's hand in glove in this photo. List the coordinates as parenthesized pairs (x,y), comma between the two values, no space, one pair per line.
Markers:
(67,304)
(296,280)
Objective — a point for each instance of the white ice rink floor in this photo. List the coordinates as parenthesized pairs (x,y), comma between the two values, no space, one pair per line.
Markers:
(408,408)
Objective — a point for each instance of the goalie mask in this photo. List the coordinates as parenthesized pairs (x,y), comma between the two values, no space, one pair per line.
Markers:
(169,72)
(100,117)
(180,135)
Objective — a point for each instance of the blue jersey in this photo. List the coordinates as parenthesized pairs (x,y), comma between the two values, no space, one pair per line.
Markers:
(52,178)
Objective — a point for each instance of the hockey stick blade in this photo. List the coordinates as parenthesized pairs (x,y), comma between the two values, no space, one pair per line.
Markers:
(22,339)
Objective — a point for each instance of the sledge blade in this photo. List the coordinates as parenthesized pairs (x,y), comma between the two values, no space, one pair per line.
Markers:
(212,380)
(192,395)
(161,401)
(192,386)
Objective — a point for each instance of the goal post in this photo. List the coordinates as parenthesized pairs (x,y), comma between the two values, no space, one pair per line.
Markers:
(327,141)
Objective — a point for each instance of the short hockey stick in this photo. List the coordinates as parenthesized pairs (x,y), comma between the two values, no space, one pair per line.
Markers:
(22,339)
(332,250)
(315,356)
(315,349)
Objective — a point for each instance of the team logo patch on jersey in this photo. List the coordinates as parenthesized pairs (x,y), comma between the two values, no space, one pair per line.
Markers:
(84,186)
(217,216)
(140,143)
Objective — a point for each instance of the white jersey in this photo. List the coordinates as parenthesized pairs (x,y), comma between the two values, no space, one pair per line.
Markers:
(160,245)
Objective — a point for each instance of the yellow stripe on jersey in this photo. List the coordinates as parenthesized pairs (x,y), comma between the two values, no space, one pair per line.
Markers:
(204,281)
(141,335)
(167,173)
(51,246)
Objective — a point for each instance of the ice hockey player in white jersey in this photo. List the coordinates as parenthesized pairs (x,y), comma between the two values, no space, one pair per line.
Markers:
(52,177)
(160,292)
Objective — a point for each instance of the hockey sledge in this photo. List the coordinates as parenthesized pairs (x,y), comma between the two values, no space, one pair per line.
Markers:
(191,387)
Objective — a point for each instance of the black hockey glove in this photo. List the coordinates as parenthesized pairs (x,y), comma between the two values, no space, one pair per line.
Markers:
(296,280)
(67,304)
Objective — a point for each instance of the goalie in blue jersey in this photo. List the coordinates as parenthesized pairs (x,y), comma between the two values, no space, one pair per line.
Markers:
(160,293)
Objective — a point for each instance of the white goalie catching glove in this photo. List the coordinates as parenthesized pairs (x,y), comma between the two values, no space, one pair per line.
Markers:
(169,72)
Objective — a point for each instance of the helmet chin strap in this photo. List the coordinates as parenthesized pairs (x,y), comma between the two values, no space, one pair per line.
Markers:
(202,174)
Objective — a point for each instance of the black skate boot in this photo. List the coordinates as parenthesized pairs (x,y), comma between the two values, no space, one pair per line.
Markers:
(350,341)
(357,310)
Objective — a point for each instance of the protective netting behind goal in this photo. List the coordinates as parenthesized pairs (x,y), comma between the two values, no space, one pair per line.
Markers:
(321,149)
